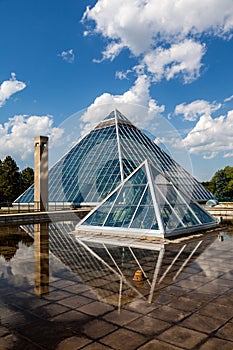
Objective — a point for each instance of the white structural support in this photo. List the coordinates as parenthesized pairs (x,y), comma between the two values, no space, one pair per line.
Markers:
(156,272)
(156,207)
(119,148)
(138,205)
(173,262)
(119,274)
(187,260)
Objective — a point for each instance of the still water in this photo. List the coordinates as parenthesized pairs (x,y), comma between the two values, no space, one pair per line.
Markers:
(97,293)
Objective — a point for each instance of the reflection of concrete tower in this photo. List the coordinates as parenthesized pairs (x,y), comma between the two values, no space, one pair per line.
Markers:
(41,258)
(41,173)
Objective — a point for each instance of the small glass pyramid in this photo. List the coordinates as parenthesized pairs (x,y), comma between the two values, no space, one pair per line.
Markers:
(146,203)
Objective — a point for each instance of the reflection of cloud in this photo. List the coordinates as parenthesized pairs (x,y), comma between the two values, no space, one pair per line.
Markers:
(9,243)
(19,271)
(10,87)
(167,31)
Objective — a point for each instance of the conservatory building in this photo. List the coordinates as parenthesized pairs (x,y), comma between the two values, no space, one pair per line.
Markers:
(129,180)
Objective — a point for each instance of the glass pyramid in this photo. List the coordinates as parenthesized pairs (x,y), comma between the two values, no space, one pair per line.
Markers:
(102,159)
(147,203)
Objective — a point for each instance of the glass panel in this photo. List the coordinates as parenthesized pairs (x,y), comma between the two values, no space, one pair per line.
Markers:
(170,220)
(110,116)
(139,177)
(158,178)
(147,199)
(186,215)
(125,205)
(120,216)
(128,167)
(98,217)
(202,215)
(171,195)
(130,194)
(28,196)
(145,218)
(161,196)
(154,173)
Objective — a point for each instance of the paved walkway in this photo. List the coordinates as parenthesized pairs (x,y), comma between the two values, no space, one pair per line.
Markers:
(192,309)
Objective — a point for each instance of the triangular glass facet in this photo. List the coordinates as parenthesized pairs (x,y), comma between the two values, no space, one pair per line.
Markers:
(147,203)
(130,205)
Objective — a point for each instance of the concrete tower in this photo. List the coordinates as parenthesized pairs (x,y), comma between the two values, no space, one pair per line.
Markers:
(41,173)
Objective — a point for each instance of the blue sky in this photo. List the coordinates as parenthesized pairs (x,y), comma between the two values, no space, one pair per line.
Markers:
(167,65)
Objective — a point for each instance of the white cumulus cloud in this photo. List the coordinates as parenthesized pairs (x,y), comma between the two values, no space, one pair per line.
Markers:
(228,155)
(192,111)
(228,99)
(67,56)
(161,30)
(112,50)
(183,58)
(16,135)
(211,136)
(9,88)
(129,103)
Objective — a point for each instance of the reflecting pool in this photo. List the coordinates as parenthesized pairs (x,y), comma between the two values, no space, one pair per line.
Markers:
(97,292)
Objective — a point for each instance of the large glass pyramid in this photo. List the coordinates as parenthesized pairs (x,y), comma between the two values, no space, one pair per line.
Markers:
(102,159)
(146,203)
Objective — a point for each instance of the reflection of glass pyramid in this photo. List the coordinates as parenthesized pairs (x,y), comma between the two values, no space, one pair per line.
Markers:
(147,203)
(107,265)
(97,164)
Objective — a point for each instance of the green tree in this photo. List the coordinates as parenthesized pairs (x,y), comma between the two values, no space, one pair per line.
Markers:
(13,182)
(229,189)
(228,172)
(9,180)
(210,186)
(221,184)
(26,179)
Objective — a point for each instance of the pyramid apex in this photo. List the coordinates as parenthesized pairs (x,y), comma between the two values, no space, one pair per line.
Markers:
(115,116)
